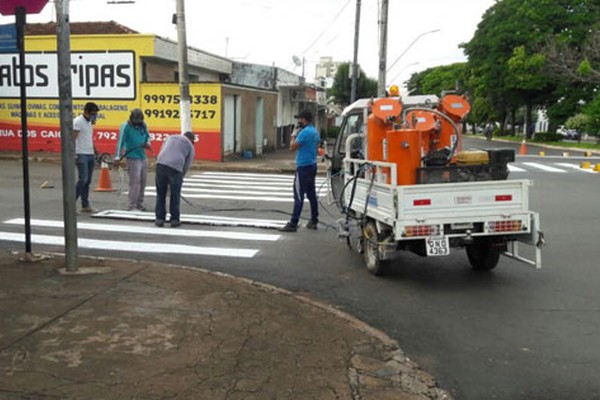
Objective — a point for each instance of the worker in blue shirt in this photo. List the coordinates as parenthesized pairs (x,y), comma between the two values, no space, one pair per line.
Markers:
(133,141)
(305,144)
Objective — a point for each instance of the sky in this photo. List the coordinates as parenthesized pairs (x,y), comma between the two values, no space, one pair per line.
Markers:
(269,32)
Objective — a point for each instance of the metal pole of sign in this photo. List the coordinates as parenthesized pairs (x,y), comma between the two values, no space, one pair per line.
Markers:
(20,17)
(63,39)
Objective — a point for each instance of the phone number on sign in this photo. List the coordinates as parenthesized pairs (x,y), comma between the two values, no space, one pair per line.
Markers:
(176,99)
(196,114)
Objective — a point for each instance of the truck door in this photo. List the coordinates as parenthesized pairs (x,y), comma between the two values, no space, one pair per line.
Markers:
(351,123)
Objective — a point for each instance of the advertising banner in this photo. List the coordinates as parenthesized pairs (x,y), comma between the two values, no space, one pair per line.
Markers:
(110,80)
(98,75)
(160,104)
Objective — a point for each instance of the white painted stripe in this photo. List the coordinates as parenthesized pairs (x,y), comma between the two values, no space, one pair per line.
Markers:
(133,247)
(150,231)
(230,197)
(543,167)
(194,219)
(577,167)
(240,181)
(245,174)
(184,190)
(512,168)
(257,186)
(250,176)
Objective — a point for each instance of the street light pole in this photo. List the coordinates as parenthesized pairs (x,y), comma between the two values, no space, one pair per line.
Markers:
(383,17)
(184,83)
(402,70)
(409,46)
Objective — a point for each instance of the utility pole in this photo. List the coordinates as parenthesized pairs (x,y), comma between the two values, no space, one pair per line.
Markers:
(184,82)
(355,59)
(383,20)
(63,42)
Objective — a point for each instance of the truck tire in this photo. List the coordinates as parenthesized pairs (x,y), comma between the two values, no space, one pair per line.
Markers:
(483,256)
(375,265)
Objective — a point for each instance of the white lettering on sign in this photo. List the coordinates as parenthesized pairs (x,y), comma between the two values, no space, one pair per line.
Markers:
(98,75)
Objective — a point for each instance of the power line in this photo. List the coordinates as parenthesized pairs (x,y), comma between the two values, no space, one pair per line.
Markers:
(327,28)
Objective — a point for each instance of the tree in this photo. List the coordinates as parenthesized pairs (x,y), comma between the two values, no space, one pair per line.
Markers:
(340,91)
(505,51)
(438,79)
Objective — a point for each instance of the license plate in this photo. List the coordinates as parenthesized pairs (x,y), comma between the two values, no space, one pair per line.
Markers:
(437,246)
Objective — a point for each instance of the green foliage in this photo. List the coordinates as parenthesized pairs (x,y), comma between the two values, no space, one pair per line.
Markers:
(332,131)
(584,68)
(578,122)
(342,86)
(438,79)
(506,60)
(592,111)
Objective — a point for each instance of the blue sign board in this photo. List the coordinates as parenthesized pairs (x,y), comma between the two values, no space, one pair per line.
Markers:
(8,38)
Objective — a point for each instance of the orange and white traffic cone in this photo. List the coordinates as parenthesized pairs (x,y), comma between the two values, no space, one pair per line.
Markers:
(523,150)
(104,184)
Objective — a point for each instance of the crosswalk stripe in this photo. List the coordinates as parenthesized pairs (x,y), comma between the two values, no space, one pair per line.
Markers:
(257,186)
(512,168)
(228,191)
(186,190)
(194,219)
(135,247)
(248,175)
(150,231)
(577,167)
(241,182)
(543,167)
(231,197)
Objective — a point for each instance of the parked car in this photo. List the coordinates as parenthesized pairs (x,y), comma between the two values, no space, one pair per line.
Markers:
(569,134)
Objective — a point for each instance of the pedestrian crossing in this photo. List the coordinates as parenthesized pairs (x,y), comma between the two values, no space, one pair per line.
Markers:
(553,167)
(241,186)
(136,238)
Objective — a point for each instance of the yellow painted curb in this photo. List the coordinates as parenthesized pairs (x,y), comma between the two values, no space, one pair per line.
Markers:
(597,168)
(586,165)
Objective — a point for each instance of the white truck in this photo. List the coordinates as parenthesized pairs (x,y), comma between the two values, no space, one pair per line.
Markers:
(452,206)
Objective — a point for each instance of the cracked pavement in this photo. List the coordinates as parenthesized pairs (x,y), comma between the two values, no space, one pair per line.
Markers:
(152,331)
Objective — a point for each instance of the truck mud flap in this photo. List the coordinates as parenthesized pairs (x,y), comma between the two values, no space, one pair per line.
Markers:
(535,239)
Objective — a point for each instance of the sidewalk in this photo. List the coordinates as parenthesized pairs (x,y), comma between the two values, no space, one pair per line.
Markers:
(150,331)
(279,161)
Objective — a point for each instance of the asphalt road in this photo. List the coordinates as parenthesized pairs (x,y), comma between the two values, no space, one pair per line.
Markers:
(514,333)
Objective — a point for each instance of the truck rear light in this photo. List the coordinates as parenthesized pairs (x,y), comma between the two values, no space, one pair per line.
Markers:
(506,226)
(422,202)
(421,231)
(504,197)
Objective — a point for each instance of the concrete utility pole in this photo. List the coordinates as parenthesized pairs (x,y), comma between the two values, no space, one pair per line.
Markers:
(63,41)
(355,59)
(383,20)
(184,82)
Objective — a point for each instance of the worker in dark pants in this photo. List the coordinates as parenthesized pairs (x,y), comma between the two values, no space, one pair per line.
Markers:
(305,144)
(173,162)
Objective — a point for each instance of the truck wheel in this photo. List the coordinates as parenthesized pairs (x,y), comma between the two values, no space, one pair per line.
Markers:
(370,239)
(483,256)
